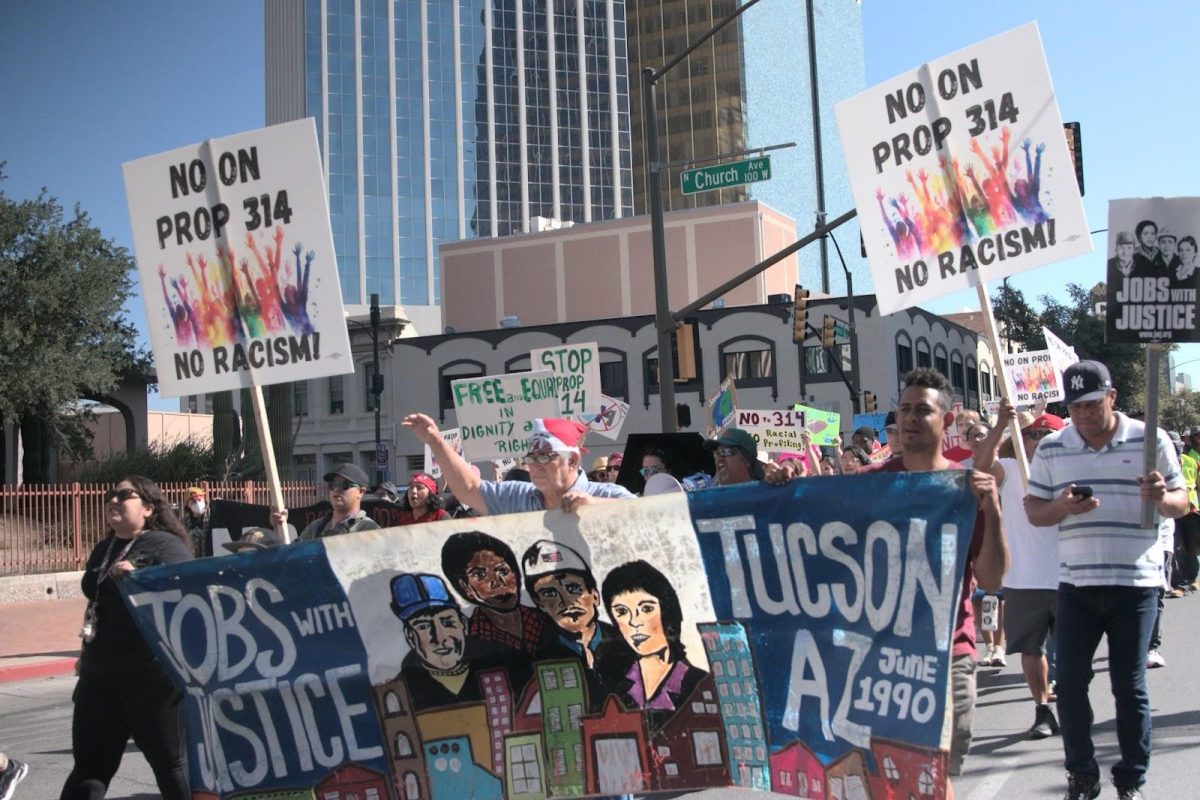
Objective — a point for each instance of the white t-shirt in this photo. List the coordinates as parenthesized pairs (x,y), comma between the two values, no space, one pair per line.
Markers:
(1034,551)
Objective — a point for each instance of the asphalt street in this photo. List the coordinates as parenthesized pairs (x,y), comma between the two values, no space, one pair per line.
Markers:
(35,726)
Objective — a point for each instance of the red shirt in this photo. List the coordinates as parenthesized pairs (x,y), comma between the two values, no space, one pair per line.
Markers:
(963,643)
(407,518)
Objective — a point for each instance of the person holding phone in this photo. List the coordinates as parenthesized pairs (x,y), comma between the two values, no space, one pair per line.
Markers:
(1083,481)
(123,692)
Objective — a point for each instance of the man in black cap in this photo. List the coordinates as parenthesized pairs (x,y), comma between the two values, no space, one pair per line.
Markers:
(864,439)
(735,454)
(1083,479)
(346,484)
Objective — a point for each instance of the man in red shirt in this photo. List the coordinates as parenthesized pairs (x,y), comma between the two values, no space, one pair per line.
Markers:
(922,415)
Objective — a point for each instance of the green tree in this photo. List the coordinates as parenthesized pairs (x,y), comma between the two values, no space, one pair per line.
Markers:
(63,333)
(1018,323)
(1078,324)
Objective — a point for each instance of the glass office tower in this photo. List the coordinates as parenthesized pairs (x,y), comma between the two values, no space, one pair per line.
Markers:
(442,120)
(753,85)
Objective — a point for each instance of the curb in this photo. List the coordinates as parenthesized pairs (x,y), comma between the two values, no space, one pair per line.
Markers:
(48,668)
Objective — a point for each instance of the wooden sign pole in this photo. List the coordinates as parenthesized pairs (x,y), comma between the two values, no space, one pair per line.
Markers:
(1150,440)
(989,322)
(267,447)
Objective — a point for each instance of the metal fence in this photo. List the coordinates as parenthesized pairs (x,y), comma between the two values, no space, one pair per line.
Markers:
(53,527)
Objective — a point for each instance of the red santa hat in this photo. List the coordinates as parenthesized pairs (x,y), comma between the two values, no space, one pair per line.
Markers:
(559,435)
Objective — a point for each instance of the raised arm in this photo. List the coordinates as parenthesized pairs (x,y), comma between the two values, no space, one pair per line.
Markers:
(993,559)
(457,473)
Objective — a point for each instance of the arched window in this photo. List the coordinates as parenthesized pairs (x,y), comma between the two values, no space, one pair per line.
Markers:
(750,360)
(614,373)
(957,378)
(517,364)
(452,371)
(403,745)
(904,353)
(973,399)
(940,360)
(924,358)
(985,380)
(412,787)
(391,705)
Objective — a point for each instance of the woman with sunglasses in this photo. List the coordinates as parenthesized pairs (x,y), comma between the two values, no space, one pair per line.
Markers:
(122,691)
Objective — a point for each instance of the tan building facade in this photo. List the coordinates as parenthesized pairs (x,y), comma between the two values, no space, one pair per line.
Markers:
(605,269)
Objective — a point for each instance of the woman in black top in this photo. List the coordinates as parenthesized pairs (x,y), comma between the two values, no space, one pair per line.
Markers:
(122,691)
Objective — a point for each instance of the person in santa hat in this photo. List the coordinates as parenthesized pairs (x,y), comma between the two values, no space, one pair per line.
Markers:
(553,461)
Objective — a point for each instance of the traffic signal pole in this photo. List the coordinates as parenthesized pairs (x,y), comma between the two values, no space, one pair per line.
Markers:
(664,320)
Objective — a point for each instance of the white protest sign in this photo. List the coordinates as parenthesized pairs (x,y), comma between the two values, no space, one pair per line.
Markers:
(775,430)
(1032,377)
(1153,278)
(432,467)
(577,369)
(961,173)
(496,412)
(236,261)
(606,422)
(1064,355)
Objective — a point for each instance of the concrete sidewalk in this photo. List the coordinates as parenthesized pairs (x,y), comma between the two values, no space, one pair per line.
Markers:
(39,638)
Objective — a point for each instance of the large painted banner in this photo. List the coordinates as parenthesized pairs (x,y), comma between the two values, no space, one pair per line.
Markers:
(961,173)
(236,261)
(761,637)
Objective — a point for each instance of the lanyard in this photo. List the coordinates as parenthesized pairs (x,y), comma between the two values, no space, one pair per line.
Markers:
(106,565)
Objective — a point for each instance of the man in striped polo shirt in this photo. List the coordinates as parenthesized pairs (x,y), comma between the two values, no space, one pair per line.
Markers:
(1084,480)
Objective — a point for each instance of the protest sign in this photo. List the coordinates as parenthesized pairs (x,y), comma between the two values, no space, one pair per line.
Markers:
(1062,353)
(609,420)
(577,369)
(454,439)
(496,412)
(1032,377)
(961,172)
(1153,278)
(874,420)
(722,406)
(806,636)
(952,437)
(236,261)
(823,425)
(775,430)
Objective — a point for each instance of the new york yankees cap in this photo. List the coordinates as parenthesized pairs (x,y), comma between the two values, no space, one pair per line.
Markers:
(1085,381)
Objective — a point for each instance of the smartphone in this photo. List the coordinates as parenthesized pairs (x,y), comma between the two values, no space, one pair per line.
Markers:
(1082,491)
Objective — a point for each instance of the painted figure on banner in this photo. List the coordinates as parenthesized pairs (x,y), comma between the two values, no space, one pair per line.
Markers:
(483,571)
(562,585)
(646,610)
(439,667)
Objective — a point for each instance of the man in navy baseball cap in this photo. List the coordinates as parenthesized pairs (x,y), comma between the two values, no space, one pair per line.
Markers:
(1085,381)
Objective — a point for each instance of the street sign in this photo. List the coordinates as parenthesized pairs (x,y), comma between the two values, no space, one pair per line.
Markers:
(723,176)
(381,455)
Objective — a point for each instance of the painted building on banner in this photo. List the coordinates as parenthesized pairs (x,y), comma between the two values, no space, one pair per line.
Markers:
(689,749)
(616,751)
(728,649)
(447,121)
(393,706)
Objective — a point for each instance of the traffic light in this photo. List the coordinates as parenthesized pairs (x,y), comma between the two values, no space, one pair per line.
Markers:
(869,404)
(685,352)
(828,333)
(683,415)
(800,315)
(1075,147)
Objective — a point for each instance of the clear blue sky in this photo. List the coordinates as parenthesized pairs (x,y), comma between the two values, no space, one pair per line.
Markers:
(85,86)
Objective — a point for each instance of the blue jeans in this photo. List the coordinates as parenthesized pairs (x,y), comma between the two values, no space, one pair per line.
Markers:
(1126,615)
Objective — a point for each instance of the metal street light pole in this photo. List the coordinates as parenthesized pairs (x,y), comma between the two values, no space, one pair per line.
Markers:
(376,385)
(664,320)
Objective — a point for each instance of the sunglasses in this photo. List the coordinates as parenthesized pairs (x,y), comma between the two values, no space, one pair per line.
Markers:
(648,471)
(120,495)
(342,485)
(1041,433)
(728,452)
(539,458)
